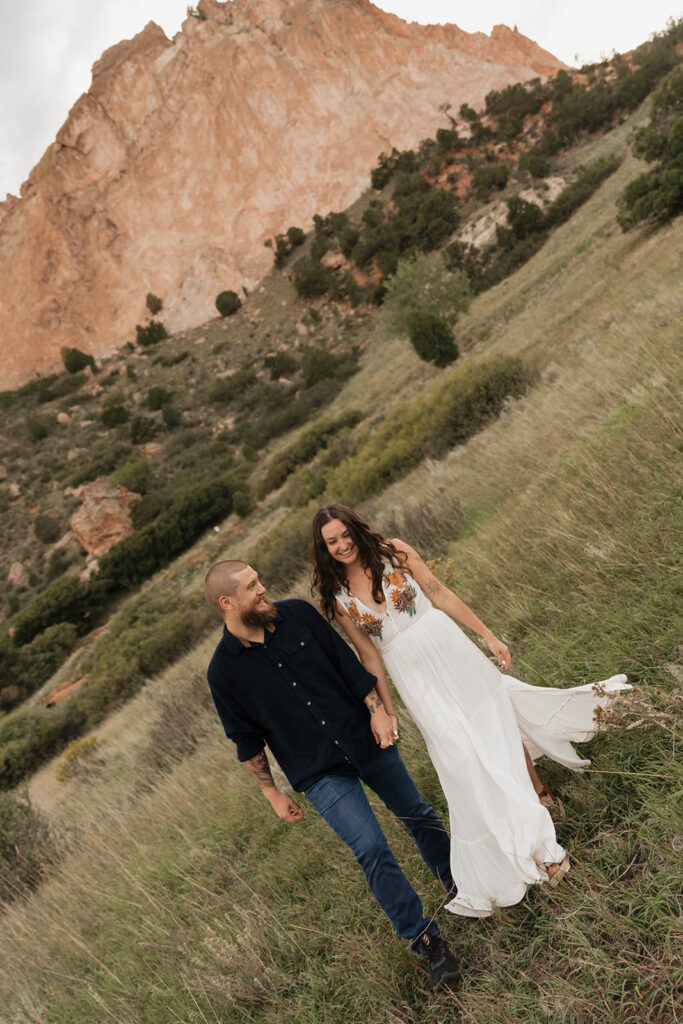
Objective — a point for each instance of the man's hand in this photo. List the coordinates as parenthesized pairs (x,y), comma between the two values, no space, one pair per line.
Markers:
(283,805)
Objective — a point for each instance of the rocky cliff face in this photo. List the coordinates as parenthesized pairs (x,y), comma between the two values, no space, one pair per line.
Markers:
(185,155)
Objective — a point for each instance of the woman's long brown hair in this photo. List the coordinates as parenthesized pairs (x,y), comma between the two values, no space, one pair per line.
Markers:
(329,576)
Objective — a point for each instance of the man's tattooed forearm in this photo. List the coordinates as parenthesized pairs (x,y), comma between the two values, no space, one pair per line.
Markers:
(373,701)
(260,769)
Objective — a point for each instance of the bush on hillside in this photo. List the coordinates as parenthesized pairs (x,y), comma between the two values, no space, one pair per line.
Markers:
(157,398)
(301,451)
(114,414)
(437,420)
(150,333)
(153,303)
(228,302)
(46,528)
(142,429)
(657,195)
(311,278)
(431,338)
(535,163)
(37,428)
(317,364)
(282,364)
(136,475)
(27,848)
(424,283)
(74,360)
(489,178)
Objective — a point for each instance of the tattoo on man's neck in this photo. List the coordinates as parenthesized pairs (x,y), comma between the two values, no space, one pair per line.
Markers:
(373,701)
(260,769)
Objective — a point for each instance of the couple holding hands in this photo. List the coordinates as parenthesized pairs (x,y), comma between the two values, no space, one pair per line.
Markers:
(282,676)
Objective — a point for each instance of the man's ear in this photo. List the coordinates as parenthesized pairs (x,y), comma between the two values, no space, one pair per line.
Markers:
(226,603)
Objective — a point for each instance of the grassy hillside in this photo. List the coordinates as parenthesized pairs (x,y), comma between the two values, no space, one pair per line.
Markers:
(179,895)
(169,891)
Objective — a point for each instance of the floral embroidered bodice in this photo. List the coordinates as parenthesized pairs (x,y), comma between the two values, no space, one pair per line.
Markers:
(405,604)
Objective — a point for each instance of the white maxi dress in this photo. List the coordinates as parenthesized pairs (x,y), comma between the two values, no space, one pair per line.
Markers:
(473,720)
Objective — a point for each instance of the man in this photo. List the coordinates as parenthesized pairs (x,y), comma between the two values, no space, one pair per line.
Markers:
(282,676)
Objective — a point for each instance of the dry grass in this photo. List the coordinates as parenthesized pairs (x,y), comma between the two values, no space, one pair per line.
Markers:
(191,902)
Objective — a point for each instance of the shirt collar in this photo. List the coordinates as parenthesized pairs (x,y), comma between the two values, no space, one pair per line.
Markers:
(235,645)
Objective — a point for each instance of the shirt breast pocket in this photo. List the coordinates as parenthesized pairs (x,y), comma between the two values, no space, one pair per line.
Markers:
(300,643)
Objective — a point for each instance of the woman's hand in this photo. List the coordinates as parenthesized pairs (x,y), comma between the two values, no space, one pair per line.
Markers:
(499,650)
(394,723)
(383,727)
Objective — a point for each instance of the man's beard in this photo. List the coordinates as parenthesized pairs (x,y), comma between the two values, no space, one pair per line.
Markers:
(260,618)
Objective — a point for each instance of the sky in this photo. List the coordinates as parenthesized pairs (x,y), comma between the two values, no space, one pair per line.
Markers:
(47,48)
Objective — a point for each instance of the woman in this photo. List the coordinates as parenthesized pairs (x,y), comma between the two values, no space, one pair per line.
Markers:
(472,717)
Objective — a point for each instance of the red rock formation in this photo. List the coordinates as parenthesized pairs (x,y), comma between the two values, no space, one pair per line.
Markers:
(102,520)
(184,156)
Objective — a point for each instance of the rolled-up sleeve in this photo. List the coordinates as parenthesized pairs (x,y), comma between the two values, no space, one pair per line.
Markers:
(246,734)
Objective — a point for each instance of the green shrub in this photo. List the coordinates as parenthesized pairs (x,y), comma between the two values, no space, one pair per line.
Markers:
(157,398)
(535,163)
(657,195)
(589,180)
(36,428)
(46,528)
(489,177)
(74,360)
(282,364)
(295,236)
(64,600)
(101,464)
(137,557)
(172,417)
(114,415)
(431,338)
(424,282)
(226,391)
(317,365)
(446,415)
(285,462)
(142,429)
(28,667)
(227,303)
(153,303)
(136,475)
(54,386)
(27,848)
(150,334)
(311,278)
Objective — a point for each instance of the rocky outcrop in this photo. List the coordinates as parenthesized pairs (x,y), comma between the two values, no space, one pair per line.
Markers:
(185,155)
(103,519)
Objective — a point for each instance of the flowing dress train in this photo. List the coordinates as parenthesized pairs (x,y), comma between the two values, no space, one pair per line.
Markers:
(473,720)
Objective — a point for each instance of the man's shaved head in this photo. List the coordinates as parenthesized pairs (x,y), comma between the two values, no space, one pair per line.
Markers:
(221,579)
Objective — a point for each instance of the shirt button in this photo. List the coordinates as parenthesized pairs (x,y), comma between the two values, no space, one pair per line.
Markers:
(293,684)
(323,722)
(279,664)
(337,742)
(308,703)
(303,644)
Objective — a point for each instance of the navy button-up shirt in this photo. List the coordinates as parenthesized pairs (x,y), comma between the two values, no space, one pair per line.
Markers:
(301,691)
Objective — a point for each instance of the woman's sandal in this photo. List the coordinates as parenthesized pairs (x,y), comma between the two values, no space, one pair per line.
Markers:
(562,870)
(552,803)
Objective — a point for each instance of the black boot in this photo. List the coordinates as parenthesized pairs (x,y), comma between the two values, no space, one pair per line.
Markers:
(441,965)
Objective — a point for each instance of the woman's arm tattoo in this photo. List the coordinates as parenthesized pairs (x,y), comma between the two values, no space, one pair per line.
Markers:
(260,769)
(373,701)
(432,587)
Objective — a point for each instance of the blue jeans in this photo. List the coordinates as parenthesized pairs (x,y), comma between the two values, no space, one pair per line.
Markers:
(341,801)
